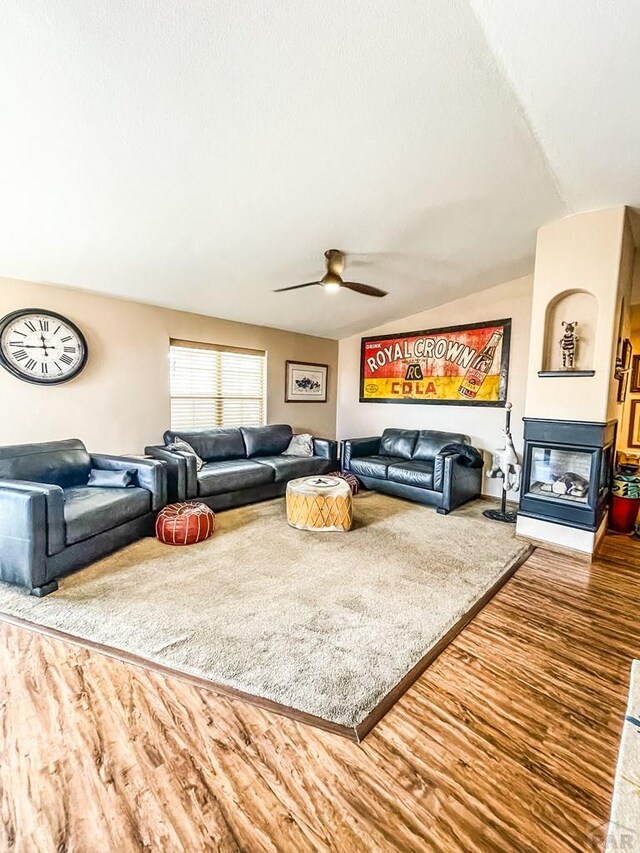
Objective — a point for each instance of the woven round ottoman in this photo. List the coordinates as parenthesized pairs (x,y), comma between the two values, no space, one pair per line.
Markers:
(185,523)
(319,503)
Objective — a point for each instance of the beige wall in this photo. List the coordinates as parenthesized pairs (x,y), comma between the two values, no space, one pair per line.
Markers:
(590,252)
(120,402)
(483,424)
(581,252)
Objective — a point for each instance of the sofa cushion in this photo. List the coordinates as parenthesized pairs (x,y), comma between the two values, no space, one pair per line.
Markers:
(290,467)
(414,473)
(372,466)
(229,475)
(267,440)
(60,463)
(112,479)
(398,442)
(90,510)
(430,442)
(211,444)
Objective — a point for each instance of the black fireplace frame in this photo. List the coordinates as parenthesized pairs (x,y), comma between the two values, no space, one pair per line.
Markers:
(579,436)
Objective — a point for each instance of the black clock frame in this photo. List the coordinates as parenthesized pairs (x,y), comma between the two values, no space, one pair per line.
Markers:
(9,318)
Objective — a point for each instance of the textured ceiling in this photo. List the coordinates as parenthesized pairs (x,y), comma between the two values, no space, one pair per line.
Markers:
(198,155)
(574,65)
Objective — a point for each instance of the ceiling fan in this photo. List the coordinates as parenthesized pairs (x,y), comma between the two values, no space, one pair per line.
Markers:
(332,280)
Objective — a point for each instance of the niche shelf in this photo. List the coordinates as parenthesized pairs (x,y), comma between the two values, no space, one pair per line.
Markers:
(573,306)
(556,374)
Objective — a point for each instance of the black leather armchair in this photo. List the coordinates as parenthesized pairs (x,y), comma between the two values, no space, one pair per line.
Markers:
(241,465)
(438,468)
(52,522)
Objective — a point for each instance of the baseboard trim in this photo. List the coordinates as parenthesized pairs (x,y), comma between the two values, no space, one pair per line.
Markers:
(556,549)
(355,734)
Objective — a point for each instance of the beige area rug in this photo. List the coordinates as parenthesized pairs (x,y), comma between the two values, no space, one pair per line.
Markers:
(324,623)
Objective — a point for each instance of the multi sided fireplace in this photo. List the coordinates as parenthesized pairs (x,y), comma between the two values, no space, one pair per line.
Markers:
(567,471)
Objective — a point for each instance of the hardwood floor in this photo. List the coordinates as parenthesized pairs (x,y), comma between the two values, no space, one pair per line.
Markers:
(508,742)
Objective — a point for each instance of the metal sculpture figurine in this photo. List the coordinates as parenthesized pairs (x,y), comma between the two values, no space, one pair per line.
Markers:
(505,464)
(568,345)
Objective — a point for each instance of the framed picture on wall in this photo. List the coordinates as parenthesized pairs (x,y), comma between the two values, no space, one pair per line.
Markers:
(635,375)
(623,382)
(452,366)
(634,424)
(305,382)
(623,362)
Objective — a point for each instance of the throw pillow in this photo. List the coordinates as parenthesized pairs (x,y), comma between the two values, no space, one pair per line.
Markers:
(300,445)
(111,479)
(184,449)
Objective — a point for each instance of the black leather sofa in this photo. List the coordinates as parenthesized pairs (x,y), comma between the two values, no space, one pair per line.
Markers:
(427,466)
(242,464)
(52,522)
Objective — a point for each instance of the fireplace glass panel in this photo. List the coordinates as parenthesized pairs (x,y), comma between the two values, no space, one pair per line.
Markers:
(606,469)
(560,474)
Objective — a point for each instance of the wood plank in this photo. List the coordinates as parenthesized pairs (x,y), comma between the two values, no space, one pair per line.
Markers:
(508,741)
(221,689)
(372,719)
(352,733)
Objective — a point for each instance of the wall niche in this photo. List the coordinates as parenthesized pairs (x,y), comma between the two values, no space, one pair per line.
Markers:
(572,306)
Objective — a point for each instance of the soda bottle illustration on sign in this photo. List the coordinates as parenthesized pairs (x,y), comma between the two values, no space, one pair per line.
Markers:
(479,368)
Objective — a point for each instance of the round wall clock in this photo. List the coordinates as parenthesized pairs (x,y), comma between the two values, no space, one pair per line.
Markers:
(42,347)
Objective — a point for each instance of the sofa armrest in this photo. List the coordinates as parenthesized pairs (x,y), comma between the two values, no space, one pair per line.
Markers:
(177,471)
(23,535)
(464,457)
(354,447)
(326,448)
(459,481)
(54,510)
(151,474)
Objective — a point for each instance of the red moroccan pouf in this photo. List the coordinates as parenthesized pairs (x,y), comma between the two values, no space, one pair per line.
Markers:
(185,523)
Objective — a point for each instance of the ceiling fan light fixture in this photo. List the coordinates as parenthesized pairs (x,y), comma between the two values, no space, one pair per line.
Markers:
(331,282)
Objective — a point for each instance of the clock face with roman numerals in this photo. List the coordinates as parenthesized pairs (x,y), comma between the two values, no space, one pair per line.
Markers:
(42,347)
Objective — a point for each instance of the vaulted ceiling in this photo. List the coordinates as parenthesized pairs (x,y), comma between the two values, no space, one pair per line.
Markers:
(198,155)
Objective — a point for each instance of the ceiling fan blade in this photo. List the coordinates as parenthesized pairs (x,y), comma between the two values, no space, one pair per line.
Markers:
(365,289)
(296,286)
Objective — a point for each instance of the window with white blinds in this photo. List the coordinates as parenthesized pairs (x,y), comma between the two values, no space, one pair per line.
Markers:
(216,386)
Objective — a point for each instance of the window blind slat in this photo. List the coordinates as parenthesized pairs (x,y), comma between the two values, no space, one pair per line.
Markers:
(214,387)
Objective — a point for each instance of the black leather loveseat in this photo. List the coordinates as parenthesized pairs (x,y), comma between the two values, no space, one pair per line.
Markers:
(53,522)
(431,467)
(241,464)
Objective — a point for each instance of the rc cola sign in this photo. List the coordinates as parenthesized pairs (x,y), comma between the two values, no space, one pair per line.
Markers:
(456,365)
